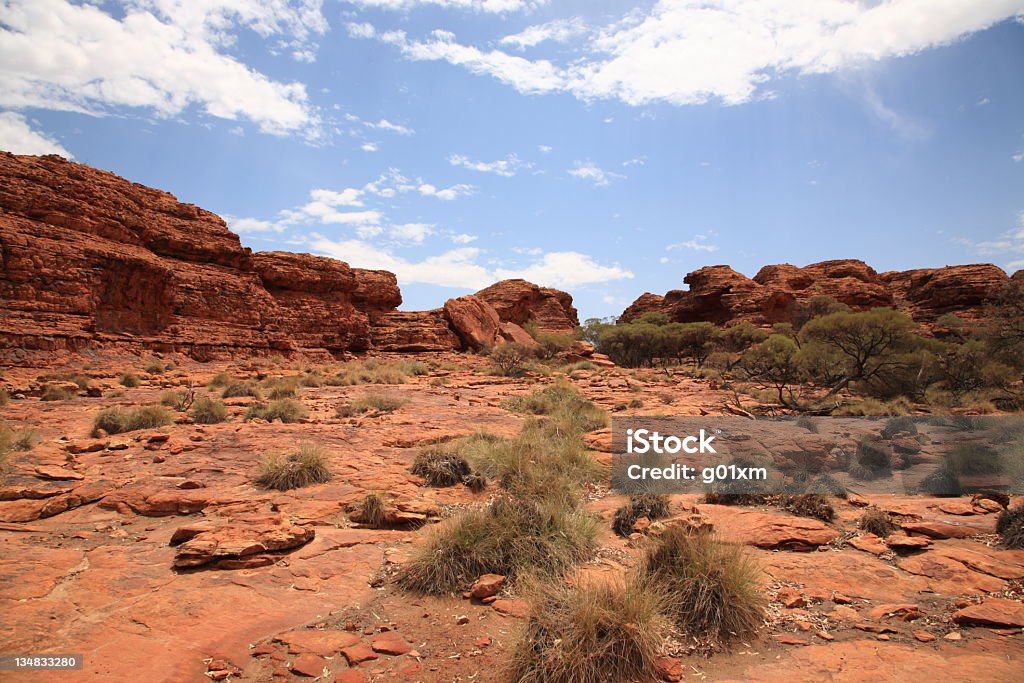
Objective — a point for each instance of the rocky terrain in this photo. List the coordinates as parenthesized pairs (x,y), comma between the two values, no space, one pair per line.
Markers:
(155,555)
(158,555)
(90,259)
(720,295)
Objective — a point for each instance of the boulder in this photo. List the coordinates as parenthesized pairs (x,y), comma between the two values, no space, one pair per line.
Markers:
(474,320)
(519,302)
(239,543)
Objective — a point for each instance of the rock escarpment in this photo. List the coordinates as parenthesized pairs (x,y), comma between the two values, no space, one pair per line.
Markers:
(721,295)
(89,259)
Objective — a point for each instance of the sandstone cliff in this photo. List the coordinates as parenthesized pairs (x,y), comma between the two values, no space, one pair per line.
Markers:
(719,294)
(90,259)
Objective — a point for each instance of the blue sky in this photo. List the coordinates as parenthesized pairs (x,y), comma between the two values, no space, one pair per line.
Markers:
(600,147)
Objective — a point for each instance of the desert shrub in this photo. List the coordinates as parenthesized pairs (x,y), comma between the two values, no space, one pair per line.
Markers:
(510,358)
(475,482)
(440,466)
(635,404)
(650,505)
(382,403)
(710,587)
(815,307)
(208,411)
(551,345)
(899,425)
(812,505)
(876,521)
(873,459)
(579,365)
(281,387)
(1010,527)
(941,482)
(180,400)
(807,423)
(55,392)
(285,409)
(372,371)
(312,379)
(972,458)
(562,403)
(414,367)
(372,510)
(908,374)
(220,380)
(870,407)
(116,420)
(155,368)
(590,633)
(510,536)
(826,485)
(739,491)
(11,440)
(775,363)
(241,388)
(130,380)
(306,466)
(740,337)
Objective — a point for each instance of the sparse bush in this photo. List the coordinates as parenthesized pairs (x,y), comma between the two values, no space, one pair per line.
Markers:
(220,380)
(635,404)
(876,521)
(870,407)
(739,491)
(510,536)
(372,371)
(285,409)
(551,345)
(873,459)
(440,466)
(155,368)
(475,482)
(372,510)
(899,425)
(130,380)
(381,403)
(590,633)
(510,358)
(55,392)
(241,388)
(208,411)
(826,485)
(710,586)
(306,466)
(563,403)
(653,506)
(809,505)
(11,441)
(941,482)
(1010,527)
(178,400)
(281,387)
(116,420)
(972,458)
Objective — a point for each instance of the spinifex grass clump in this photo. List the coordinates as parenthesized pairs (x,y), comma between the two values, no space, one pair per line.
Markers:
(440,465)
(241,388)
(591,633)
(710,587)
(286,410)
(306,466)
(738,491)
(375,372)
(1010,527)
(510,536)
(130,380)
(650,505)
(562,403)
(56,392)
(873,459)
(877,521)
(208,411)
(809,505)
(380,403)
(12,441)
(372,510)
(117,419)
(971,458)
(281,387)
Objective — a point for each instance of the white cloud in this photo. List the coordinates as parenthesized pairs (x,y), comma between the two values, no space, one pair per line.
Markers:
(504,167)
(544,149)
(447,194)
(698,243)
(463,238)
(664,259)
(162,56)
(566,270)
(248,226)
(497,6)
(368,147)
(588,170)
(384,124)
(1018,157)
(638,161)
(559,31)
(411,232)
(692,51)
(17,136)
(347,197)
(1008,244)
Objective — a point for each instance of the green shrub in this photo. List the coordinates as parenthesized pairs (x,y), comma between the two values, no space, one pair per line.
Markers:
(564,404)
(155,368)
(130,380)
(509,536)
(551,345)
(877,521)
(653,506)
(178,400)
(440,466)
(710,587)
(220,380)
(381,403)
(285,409)
(241,388)
(55,392)
(510,359)
(208,411)
(116,420)
(306,466)
(1010,527)
(590,633)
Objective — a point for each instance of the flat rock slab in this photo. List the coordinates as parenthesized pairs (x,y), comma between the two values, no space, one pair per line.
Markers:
(221,545)
(997,612)
(326,643)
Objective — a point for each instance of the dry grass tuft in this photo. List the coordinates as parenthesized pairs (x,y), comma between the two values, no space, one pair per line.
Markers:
(306,466)
(117,419)
(876,521)
(286,410)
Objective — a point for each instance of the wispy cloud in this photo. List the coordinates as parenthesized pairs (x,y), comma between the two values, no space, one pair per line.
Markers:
(698,243)
(507,167)
(588,170)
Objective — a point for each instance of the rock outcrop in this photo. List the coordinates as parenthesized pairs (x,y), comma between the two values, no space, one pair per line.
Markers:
(521,302)
(721,295)
(89,259)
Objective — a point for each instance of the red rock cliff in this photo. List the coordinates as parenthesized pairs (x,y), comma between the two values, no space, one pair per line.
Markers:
(719,294)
